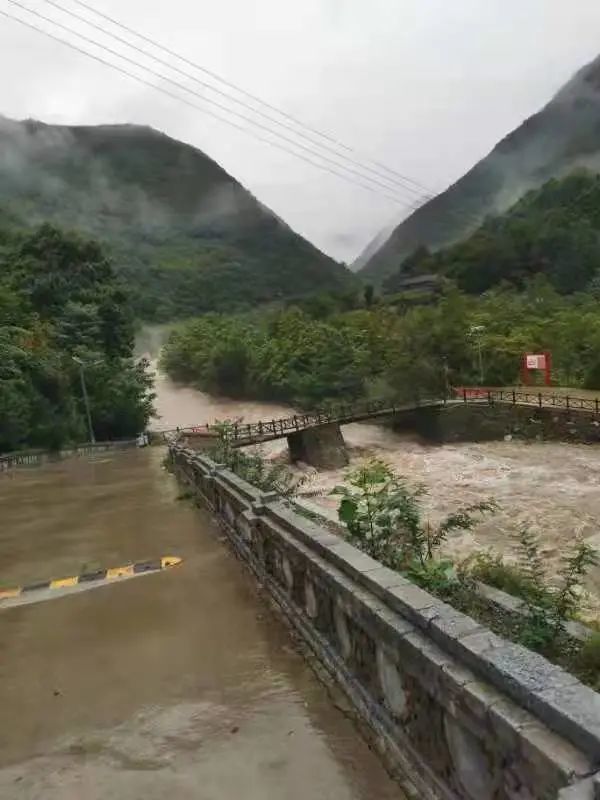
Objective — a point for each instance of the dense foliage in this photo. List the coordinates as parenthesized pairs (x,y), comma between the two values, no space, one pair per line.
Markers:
(292,356)
(184,234)
(383,517)
(554,231)
(284,355)
(59,300)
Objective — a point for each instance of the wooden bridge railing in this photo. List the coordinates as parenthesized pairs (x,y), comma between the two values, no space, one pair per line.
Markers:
(340,413)
(344,413)
(539,399)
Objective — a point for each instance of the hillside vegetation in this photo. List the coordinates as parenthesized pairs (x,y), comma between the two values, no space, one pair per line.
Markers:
(554,231)
(529,280)
(394,350)
(185,235)
(562,137)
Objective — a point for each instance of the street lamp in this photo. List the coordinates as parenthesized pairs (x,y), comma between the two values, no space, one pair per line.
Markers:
(446,374)
(86,401)
(476,331)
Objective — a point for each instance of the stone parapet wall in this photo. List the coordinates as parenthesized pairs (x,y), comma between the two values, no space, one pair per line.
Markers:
(471,423)
(455,711)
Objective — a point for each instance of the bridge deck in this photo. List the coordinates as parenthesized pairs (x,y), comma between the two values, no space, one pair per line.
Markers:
(346,413)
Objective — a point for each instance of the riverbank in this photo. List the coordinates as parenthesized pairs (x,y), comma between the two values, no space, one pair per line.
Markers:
(550,487)
(428,681)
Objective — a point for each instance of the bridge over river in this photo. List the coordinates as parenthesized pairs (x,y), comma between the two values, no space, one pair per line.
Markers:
(316,437)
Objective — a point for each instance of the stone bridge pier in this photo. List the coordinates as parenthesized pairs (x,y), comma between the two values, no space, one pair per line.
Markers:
(322,447)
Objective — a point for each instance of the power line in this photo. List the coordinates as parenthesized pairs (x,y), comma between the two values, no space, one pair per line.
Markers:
(414,205)
(145,52)
(215,103)
(247,94)
(174,96)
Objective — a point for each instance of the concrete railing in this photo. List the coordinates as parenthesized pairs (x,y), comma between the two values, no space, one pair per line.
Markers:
(456,711)
(31,458)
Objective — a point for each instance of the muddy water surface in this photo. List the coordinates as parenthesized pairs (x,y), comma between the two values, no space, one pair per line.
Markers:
(183,683)
(177,684)
(552,488)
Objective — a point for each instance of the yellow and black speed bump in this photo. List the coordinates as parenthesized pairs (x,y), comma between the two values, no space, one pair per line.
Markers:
(129,570)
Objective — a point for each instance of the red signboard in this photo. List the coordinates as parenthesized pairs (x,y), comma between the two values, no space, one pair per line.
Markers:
(537,361)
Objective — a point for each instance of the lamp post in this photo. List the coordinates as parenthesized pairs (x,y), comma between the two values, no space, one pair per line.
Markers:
(446,377)
(86,400)
(476,332)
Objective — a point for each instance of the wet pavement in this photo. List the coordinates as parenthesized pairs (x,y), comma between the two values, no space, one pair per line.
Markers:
(182,683)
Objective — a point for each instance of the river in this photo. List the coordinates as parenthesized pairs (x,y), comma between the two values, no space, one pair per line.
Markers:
(184,682)
(549,487)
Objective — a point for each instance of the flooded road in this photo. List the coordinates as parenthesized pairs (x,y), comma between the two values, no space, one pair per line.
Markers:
(181,683)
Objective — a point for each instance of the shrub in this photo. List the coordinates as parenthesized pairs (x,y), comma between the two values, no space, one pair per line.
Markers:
(383,518)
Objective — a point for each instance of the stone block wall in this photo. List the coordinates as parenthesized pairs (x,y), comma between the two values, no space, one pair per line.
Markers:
(456,712)
(470,422)
(322,446)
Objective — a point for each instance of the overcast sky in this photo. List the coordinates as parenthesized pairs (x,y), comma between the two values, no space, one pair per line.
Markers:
(425,86)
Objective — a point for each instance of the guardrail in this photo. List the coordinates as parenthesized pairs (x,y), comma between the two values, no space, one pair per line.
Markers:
(539,399)
(344,413)
(457,711)
(28,458)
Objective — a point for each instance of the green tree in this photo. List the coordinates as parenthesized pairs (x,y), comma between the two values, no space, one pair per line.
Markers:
(59,298)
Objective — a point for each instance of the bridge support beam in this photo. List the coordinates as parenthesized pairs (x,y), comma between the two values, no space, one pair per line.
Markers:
(322,447)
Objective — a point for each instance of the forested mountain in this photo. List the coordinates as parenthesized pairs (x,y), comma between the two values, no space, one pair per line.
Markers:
(374,245)
(186,236)
(561,137)
(553,231)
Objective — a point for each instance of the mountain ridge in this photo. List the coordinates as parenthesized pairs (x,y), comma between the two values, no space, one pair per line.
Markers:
(563,135)
(187,235)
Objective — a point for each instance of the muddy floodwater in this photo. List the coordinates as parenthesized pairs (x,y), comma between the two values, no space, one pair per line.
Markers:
(184,683)
(550,487)
(178,684)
